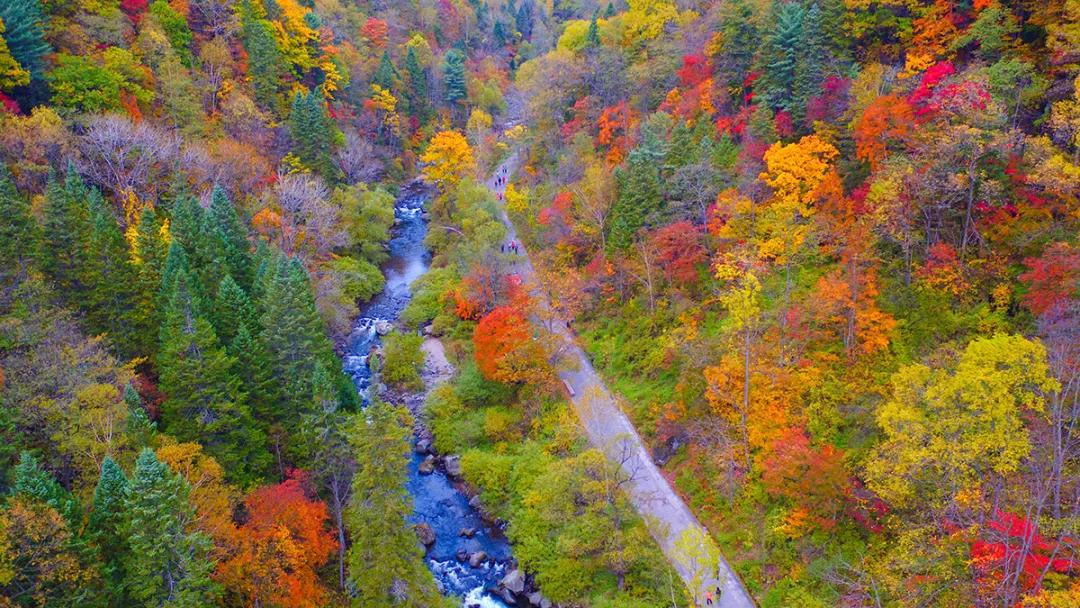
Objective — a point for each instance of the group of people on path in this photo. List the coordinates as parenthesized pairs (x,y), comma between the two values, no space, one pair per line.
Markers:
(709,597)
(511,247)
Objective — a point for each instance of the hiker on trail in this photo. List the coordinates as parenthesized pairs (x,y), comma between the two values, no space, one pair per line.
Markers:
(708,598)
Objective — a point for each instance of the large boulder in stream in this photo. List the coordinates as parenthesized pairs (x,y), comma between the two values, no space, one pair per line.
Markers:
(514,581)
(427,467)
(425,533)
(453,466)
(423,446)
(477,559)
(383,327)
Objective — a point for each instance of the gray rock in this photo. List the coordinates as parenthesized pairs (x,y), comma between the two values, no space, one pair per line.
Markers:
(462,555)
(467,532)
(476,503)
(508,597)
(425,534)
(514,581)
(534,598)
(383,327)
(422,446)
(477,558)
(453,466)
(427,467)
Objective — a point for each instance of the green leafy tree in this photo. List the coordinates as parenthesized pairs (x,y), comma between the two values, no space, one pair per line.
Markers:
(168,565)
(79,85)
(639,196)
(176,29)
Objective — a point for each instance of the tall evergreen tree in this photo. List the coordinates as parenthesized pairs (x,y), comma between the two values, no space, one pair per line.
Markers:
(593,36)
(386,73)
(639,196)
(295,339)
(139,428)
(167,565)
(812,60)
(741,39)
(266,65)
(24,33)
(67,228)
(112,298)
(20,238)
(32,480)
(232,308)
(454,77)
(779,58)
(253,367)
(418,86)
(313,134)
(149,253)
(233,235)
(385,565)
(204,400)
(106,526)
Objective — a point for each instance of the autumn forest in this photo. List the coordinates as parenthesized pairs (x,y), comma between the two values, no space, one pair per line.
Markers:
(539,303)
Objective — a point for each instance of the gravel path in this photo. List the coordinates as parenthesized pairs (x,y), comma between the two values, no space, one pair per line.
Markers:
(609,430)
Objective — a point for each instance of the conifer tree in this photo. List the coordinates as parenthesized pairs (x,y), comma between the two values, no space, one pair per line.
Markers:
(418,86)
(386,73)
(166,565)
(25,34)
(204,400)
(232,308)
(812,59)
(256,376)
(106,525)
(780,55)
(20,238)
(233,235)
(740,38)
(293,334)
(139,428)
(593,36)
(454,77)
(385,565)
(313,134)
(32,480)
(112,298)
(639,195)
(148,254)
(266,66)
(67,228)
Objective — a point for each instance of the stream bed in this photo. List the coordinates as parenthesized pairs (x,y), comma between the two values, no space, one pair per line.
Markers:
(437,501)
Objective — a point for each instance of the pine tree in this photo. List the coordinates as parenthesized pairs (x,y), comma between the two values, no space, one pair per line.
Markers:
(454,77)
(112,299)
(166,564)
(609,12)
(386,73)
(32,480)
(740,40)
(780,56)
(139,428)
(232,233)
(256,376)
(593,37)
(20,238)
(67,229)
(149,252)
(24,33)
(294,336)
(639,196)
(176,269)
(313,134)
(232,308)
(204,400)
(266,66)
(418,86)
(385,565)
(106,527)
(813,57)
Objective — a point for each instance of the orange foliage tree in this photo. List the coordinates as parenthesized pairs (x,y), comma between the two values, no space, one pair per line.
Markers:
(886,119)
(505,349)
(283,543)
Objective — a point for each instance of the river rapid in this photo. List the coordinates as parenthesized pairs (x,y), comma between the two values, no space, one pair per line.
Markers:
(437,501)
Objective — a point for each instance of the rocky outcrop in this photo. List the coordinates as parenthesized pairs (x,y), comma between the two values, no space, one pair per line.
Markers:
(427,467)
(514,581)
(478,558)
(452,464)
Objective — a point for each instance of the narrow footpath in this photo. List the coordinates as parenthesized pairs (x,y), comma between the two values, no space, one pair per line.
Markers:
(609,430)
